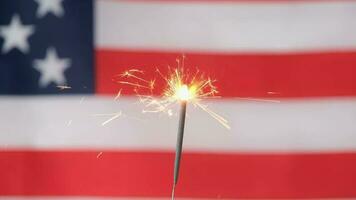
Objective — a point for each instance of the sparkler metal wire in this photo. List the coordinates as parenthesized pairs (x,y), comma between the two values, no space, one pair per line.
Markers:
(179,146)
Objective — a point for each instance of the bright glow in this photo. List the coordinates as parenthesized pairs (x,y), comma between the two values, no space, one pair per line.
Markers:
(180,86)
(183,93)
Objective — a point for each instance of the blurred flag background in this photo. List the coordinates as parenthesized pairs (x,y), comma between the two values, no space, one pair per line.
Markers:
(302,53)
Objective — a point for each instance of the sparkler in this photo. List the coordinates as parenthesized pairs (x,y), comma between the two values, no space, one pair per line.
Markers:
(182,87)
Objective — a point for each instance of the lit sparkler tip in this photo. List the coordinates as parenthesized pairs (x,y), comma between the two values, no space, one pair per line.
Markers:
(181,85)
(183,93)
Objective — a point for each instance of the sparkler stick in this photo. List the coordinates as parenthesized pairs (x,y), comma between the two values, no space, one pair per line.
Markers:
(182,87)
(179,144)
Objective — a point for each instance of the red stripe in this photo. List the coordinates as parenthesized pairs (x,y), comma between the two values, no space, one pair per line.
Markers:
(203,175)
(239,75)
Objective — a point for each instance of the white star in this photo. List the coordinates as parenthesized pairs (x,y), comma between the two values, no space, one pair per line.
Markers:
(16,35)
(52,68)
(49,6)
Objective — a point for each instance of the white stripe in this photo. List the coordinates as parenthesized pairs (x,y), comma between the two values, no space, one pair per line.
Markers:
(226,27)
(310,125)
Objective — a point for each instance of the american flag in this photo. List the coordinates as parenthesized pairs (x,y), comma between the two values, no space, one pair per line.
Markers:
(58,58)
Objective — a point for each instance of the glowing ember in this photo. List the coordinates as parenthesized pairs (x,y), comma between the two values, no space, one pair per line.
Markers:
(183,93)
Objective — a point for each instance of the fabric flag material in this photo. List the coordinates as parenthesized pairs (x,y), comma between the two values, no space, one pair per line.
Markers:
(58,59)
